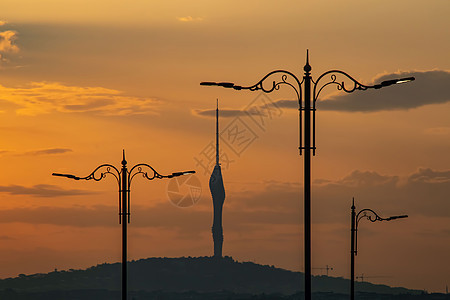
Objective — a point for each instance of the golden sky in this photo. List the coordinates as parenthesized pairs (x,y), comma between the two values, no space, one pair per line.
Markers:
(82,80)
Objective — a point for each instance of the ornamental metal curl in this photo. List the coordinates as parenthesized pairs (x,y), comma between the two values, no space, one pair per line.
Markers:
(98,175)
(297,87)
(340,85)
(149,174)
(369,215)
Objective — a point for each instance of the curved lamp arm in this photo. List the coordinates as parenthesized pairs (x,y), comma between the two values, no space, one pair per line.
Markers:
(355,85)
(372,216)
(369,215)
(340,85)
(296,85)
(276,84)
(149,173)
(97,175)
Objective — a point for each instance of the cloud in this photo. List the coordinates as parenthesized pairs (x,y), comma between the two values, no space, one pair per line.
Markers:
(261,106)
(430,87)
(438,131)
(48,97)
(2,23)
(189,19)
(358,179)
(48,151)
(429,176)
(42,190)
(7,39)
(226,113)
(287,104)
(160,216)
(422,193)
(78,216)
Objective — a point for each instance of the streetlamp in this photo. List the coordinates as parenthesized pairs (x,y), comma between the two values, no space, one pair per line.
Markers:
(124,178)
(356,217)
(306,143)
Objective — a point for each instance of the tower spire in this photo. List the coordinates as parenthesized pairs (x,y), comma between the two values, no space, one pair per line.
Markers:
(217,132)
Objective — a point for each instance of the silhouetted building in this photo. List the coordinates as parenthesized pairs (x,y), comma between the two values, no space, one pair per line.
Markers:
(218,196)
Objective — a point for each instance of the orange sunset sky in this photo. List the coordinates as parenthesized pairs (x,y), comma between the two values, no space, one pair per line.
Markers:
(82,80)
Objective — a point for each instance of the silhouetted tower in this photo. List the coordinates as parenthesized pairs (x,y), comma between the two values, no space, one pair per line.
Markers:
(218,196)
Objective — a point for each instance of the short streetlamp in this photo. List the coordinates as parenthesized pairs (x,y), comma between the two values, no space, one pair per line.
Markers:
(124,178)
(356,217)
(307,105)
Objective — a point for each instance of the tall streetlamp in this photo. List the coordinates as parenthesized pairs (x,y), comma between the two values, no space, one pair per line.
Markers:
(356,217)
(306,106)
(124,178)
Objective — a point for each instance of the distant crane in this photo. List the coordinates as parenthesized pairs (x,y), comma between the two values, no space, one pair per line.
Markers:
(362,277)
(326,268)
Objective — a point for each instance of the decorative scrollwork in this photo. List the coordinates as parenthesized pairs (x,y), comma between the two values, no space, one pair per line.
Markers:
(149,174)
(369,215)
(98,174)
(260,85)
(340,85)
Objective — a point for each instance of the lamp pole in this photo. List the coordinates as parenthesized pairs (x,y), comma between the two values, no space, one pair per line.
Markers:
(124,178)
(356,217)
(307,116)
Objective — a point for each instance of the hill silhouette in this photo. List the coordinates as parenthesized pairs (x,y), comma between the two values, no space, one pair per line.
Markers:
(186,275)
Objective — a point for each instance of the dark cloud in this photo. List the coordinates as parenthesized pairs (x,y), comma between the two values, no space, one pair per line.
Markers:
(100,103)
(430,87)
(262,106)
(42,190)
(287,104)
(226,113)
(188,221)
(428,176)
(423,193)
(359,179)
(78,216)
(48,151)
(163,215)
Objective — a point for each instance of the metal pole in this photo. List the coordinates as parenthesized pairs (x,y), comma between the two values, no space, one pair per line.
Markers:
(124,178)
(352,252)
(307,178)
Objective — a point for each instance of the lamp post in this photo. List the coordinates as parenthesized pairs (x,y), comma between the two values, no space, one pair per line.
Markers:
(307,116)
(124,178)
(356,217)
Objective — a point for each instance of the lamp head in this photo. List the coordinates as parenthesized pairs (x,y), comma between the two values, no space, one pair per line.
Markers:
(405,80)
(208,83)
(396,217)
(66,175)
(397,81)
(176,174)
(228,85)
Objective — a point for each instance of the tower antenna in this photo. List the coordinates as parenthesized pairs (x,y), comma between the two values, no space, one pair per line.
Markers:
(217,132)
